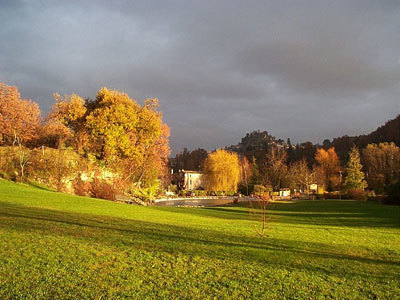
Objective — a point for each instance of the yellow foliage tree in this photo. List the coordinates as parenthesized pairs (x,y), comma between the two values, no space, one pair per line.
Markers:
(130,136)
(382,163)
(66,121)
(221,171)
(114,122)
(328,168)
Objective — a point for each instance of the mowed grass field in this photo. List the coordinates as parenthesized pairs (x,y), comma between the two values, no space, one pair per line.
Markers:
(57,246)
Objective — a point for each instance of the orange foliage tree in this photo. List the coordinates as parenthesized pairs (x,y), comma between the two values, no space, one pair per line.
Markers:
(66,122)
(19,123)
(328,168)
(19,118)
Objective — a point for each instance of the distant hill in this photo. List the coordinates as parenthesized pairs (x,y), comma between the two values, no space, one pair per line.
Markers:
(390,132)
(256,141)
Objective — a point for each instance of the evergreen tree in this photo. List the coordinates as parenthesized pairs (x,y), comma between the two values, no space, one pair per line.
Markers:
(355,175)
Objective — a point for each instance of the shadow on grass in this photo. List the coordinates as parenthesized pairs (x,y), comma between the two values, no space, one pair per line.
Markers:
(345,213)
(154,237)
(338,213)
(39,186)
(220,212)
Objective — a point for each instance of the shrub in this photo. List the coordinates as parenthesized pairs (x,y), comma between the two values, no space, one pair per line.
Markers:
(357,194)
(173,188)
(393,194)
(81,188)
(230,193)
(146,194)
(182,193)
(332,195)
(53,167)
(264,191)
(4,175)
(371,194)
(200,193)
(8,163)
(102,189)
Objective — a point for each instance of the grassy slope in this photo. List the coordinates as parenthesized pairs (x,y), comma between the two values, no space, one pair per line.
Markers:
(60,246)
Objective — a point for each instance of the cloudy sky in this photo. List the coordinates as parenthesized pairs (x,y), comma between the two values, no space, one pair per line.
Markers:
(307,70)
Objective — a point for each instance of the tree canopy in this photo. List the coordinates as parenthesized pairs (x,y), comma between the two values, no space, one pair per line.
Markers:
(221,171)
(19,118)
(382,164)
(328,168)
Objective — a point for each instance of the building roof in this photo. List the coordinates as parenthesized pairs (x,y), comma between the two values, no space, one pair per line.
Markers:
(192,172)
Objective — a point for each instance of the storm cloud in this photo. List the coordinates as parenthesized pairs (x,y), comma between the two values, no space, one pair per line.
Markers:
(307,70)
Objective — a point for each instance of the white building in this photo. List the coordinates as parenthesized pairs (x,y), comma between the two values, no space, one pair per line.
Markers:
(285,192)
(192,180)
(313,188)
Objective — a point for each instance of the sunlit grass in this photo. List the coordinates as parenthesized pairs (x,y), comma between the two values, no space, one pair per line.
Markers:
(56,246)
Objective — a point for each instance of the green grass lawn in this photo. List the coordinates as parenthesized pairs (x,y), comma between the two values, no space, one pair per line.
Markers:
(56,246)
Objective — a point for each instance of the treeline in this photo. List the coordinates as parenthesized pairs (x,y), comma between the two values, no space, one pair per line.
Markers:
(390,132)
(257,143)
(188,160)
(267,163)
(96,147)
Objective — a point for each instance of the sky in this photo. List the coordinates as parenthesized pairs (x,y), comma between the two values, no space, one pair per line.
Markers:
(304,70)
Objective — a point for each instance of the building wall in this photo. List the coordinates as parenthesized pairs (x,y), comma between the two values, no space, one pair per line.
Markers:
(284,193)
(192,181)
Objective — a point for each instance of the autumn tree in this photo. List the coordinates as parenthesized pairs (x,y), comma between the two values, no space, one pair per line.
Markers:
(19,118)
(382,164)
(153,165)
(301,175)
(274,168)
(245,175)
(305,150)
(130,139)
(221,171)
(115,124)
(189,160)
(354,174)
(67,123)
(258,208)
(53,134)
(327,168)
(19,123)
(124,130)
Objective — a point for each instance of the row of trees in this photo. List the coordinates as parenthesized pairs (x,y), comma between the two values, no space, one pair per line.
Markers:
(378,164)
(377,167)
(111,133)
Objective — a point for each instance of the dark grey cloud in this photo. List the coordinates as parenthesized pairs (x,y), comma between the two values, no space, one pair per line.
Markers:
(307,70)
